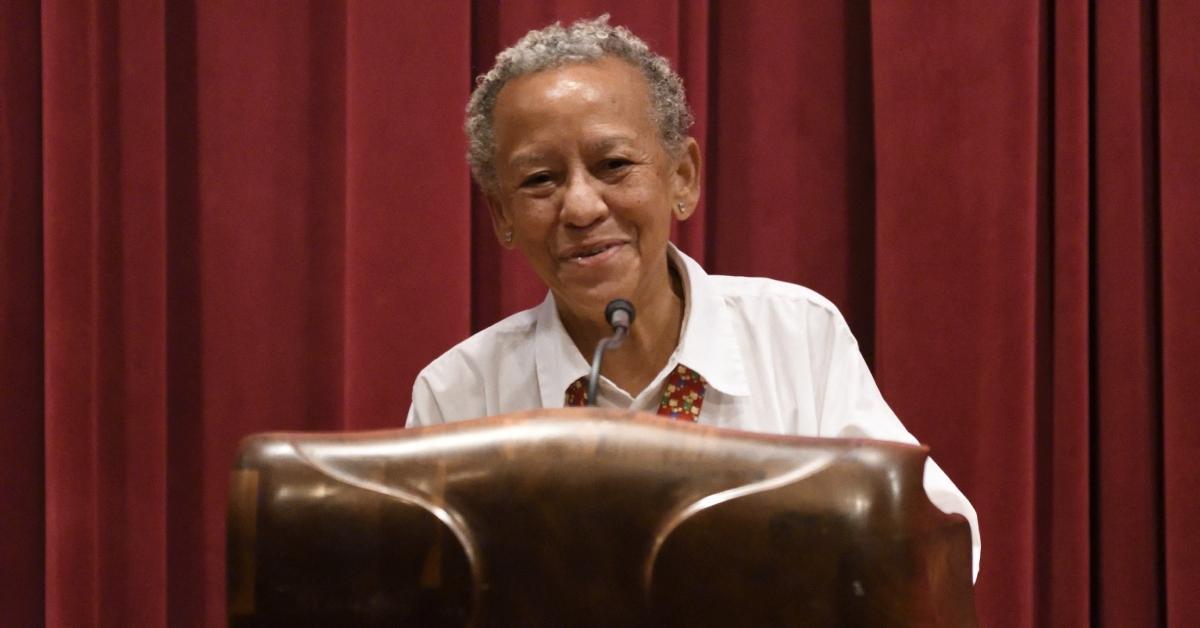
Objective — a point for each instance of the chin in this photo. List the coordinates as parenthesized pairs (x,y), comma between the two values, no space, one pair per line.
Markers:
(591,302)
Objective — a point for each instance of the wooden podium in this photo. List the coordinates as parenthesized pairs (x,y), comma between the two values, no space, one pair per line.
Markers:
(585,517)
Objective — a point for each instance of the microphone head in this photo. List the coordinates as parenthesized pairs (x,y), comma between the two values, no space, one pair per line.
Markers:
(619,313)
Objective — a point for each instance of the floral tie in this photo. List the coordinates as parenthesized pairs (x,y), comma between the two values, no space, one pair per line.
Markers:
(682,398)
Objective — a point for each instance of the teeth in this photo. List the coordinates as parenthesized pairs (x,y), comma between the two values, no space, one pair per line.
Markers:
(591,252)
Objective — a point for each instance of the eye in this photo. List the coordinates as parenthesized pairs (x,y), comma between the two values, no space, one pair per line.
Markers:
(615,163)
(537,179)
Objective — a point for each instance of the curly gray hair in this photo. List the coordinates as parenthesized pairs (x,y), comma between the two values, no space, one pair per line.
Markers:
(554,46)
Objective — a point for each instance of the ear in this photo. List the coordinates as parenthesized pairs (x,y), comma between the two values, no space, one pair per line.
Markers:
(500,221)
(686,179)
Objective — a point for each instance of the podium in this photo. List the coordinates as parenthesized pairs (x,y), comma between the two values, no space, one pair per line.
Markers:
(586,517)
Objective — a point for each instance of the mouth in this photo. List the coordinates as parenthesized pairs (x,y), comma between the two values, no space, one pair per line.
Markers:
(593,253)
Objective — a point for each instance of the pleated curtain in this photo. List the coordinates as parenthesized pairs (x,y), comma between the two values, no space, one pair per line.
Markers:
(218,218)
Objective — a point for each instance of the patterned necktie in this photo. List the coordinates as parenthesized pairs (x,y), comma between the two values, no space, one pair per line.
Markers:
(682,398)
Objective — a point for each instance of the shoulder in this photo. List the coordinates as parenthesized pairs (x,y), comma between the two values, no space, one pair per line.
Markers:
(772,301)
(458,384)
(474,356)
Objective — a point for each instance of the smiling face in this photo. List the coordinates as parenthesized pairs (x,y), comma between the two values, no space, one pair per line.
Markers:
(585,186)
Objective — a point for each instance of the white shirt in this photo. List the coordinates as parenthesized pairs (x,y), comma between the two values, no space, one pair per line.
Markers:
(777,357)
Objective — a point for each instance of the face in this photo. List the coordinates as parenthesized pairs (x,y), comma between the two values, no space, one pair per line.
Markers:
(585,186)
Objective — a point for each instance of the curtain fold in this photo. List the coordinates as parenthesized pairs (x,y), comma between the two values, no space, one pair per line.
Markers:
(222,218)
(103,212)
(1127,320)
(22,364)
(1063,397)
(1177,67)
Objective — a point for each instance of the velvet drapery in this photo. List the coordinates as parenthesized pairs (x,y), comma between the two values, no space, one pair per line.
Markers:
(218,218)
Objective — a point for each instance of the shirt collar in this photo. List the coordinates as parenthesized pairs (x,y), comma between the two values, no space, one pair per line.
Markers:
(707,344)
(559,362)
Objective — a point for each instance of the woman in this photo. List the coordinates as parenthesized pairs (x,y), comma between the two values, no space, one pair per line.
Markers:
(578,139)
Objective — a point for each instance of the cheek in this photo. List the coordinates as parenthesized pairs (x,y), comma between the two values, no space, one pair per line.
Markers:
(646,198)
(531,218)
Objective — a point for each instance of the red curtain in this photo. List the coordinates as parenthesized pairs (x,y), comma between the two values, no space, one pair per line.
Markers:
(218,218)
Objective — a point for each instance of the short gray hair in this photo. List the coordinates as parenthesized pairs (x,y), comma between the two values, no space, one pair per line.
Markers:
(555,46)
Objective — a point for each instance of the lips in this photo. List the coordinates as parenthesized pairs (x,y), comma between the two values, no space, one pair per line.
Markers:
(593,252)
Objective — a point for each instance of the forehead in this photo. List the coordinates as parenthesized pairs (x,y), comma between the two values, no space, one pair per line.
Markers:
(608,87)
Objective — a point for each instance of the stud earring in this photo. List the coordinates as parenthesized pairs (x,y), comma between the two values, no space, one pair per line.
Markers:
(508,237)
(679,207)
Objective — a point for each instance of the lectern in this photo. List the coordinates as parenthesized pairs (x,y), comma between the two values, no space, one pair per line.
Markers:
(586,517)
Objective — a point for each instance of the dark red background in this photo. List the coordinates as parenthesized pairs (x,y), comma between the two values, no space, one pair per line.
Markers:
(224,217)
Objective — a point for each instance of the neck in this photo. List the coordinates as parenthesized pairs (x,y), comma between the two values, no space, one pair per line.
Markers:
(652,337)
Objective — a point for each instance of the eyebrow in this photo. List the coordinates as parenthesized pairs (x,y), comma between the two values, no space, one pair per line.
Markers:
(609,141)
(527,159)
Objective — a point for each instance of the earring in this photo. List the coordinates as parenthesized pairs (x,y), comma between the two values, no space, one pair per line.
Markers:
(508,237)
(679,207)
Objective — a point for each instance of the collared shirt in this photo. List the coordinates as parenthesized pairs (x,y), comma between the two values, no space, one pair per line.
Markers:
(777,357)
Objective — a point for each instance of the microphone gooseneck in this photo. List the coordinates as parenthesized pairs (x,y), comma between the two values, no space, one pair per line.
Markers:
(619,315)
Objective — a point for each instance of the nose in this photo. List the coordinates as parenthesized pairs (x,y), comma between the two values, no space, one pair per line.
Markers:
(583,204)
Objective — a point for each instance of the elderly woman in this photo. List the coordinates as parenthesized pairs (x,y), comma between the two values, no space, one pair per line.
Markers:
(579,140)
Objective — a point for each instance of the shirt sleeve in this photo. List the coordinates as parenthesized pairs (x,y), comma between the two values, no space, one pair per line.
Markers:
(424,410)
(854,408)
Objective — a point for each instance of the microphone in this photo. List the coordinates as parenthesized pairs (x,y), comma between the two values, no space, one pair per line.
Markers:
(619,315)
